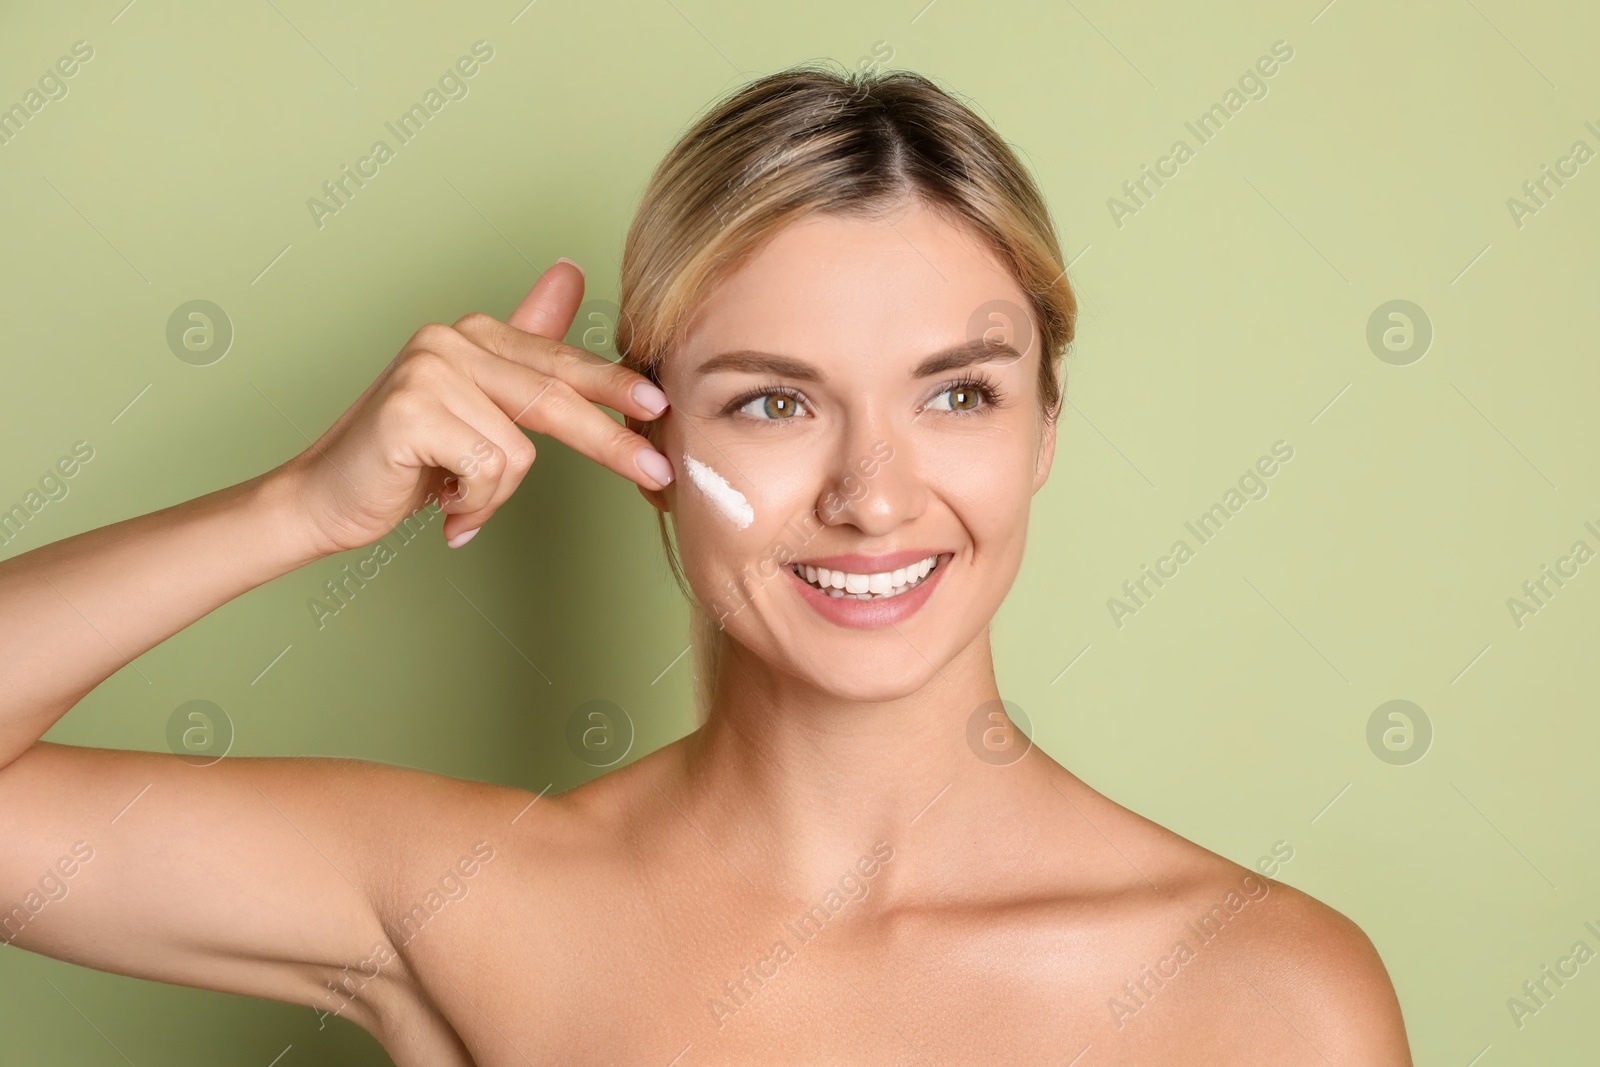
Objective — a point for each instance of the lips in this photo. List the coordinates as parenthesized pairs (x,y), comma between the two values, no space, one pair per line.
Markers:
(867,609)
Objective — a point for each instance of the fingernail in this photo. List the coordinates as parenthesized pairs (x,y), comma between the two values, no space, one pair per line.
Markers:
(575,263)
(654,465)
(650,398)
(462,538)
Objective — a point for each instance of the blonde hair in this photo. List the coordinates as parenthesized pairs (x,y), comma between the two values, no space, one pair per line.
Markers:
(809,140)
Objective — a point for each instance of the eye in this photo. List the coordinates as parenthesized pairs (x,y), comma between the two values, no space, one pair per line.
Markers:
(965,396)
(768,404)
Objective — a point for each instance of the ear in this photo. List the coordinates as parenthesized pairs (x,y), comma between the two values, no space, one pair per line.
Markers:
(1047,454)
(650,431)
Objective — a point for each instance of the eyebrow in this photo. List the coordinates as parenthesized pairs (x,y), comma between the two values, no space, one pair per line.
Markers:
(953,358)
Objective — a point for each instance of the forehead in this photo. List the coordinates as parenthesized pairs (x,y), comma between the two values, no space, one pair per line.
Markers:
(831,289)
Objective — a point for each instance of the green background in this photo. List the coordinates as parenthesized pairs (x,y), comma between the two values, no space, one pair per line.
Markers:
(1230,312)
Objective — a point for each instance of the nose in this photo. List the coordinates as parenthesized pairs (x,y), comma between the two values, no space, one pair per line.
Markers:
(873,482)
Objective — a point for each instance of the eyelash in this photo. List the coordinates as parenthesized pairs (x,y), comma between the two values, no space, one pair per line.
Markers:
(991,392)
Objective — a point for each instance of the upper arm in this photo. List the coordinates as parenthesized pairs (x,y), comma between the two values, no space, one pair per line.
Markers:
(1319,972)
(253,876)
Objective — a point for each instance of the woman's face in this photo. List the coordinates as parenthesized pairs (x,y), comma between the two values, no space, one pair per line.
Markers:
(832,405)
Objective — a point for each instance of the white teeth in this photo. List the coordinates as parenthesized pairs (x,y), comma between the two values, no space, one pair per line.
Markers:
(866,586)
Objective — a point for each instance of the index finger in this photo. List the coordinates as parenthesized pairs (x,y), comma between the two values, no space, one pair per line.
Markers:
(592,377)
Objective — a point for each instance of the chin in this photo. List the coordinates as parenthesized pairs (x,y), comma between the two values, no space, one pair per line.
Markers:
(879,685)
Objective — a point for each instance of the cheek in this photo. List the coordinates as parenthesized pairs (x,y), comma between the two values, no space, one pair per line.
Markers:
(726,563)
(785,482)
(727,511)
(987,475)
(745,483)
(717,491)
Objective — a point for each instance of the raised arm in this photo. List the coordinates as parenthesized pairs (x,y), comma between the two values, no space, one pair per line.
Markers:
(75,611)
(265,876)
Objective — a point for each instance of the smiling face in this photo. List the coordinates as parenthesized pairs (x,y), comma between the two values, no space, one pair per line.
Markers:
(833,404)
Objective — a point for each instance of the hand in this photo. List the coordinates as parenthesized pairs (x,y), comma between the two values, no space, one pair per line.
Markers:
(442,421)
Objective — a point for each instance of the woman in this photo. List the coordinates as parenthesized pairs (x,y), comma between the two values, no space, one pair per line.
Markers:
(856,857)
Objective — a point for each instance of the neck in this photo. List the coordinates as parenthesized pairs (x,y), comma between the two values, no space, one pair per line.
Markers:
(809,780)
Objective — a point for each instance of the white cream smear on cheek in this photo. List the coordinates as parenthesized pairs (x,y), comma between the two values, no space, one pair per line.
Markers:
(727,499)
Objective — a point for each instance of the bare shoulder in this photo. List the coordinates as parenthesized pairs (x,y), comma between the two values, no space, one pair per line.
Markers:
(546,844)
(1296,966)
(1307,971)
(1315,967)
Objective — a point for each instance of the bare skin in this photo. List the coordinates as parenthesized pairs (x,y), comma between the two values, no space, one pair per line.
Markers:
(980,911)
